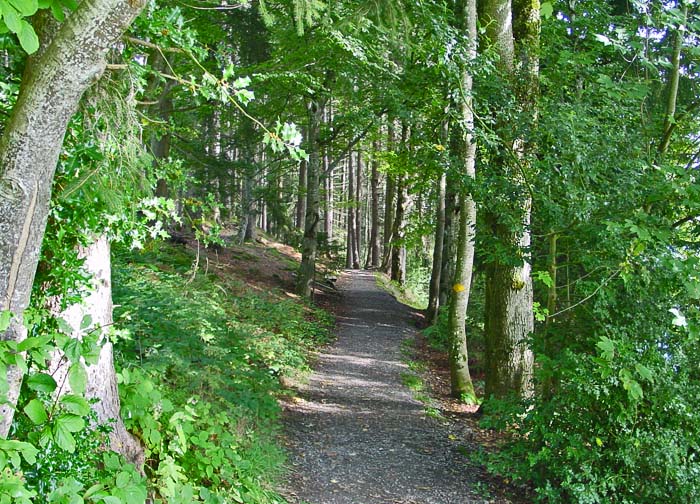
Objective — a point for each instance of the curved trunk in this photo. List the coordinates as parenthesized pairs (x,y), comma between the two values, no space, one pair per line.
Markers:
(51,88)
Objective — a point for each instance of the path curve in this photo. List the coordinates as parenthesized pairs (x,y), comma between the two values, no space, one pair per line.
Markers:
(356,435)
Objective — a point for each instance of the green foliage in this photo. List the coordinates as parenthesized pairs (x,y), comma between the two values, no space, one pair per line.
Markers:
(209,358)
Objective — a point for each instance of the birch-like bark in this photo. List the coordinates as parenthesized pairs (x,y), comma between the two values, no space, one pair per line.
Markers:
(460,379)
(51,88)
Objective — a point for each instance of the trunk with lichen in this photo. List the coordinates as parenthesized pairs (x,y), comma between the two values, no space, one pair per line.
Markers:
(513,31)
(52,85)
(101,384)
(309,250)
(465,147)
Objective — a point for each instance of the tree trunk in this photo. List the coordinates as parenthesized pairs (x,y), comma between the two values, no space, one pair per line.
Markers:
(350,254)
(398,256)
(307,270)
(461,382)
(389,207)
(358,211)
(101,377)
(374,202)
(301,196)
(434,289)
(449,249)
(52,85)
(509,296)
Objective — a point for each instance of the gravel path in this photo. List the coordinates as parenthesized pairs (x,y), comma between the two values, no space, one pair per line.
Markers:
(356,435)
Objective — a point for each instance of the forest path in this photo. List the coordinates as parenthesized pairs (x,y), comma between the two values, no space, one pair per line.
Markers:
(356,435)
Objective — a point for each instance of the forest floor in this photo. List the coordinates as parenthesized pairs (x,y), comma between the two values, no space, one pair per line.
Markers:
(358,434)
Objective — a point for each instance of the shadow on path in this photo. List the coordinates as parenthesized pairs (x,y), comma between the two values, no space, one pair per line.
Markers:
(357,436)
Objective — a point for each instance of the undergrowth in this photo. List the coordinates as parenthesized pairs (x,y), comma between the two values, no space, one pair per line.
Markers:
(200,361)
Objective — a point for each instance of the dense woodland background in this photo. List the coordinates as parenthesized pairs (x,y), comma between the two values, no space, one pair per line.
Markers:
(528,171)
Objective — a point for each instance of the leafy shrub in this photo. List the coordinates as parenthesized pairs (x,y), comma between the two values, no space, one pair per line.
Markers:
(622,426)
(202,395)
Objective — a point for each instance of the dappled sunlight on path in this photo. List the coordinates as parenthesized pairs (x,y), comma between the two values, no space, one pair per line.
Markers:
(356,434)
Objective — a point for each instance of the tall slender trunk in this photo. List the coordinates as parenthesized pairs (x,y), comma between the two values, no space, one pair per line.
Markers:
(449,244)
(373,244)
(389,207)
(461,382)
(307,270)
(434,289)
(350,249)
(398,256)
(301,196)
(358,211)
(52,85)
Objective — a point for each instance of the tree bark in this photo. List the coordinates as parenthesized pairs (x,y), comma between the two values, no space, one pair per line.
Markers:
(509,295)
(374,203)
(307,270)
(389,208)
(398,256)
(434,289)
(51,88)
(301,196)
(101,377)
(350,248)
(358,211)
(461,382)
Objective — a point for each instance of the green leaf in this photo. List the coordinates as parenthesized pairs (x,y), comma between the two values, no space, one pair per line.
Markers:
(36,412)
(70,422)
(41,382)
(546,10)
(5,318)
(644,372)
(64,438)
(28,39)
(75,404)
(607,347)
(86,322)
(57,11)
(11,17)
(77,377)
(25,7)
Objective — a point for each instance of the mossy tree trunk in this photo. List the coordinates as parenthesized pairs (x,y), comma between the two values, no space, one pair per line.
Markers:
(509,296)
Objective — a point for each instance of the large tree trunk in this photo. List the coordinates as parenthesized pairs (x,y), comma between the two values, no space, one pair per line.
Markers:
(51,88)
(509,296)
(373,244)
(461,382)
(101,377)
(307,270)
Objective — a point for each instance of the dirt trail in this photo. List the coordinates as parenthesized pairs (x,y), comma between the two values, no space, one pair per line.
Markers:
(357,436)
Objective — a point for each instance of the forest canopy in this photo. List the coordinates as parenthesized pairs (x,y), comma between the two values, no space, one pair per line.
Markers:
(527,170)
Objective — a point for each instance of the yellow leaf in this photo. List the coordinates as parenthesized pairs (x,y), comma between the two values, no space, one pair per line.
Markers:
(598,441)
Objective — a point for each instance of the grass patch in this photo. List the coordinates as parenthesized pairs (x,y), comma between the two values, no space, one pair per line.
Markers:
(401,293)
(201,358)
